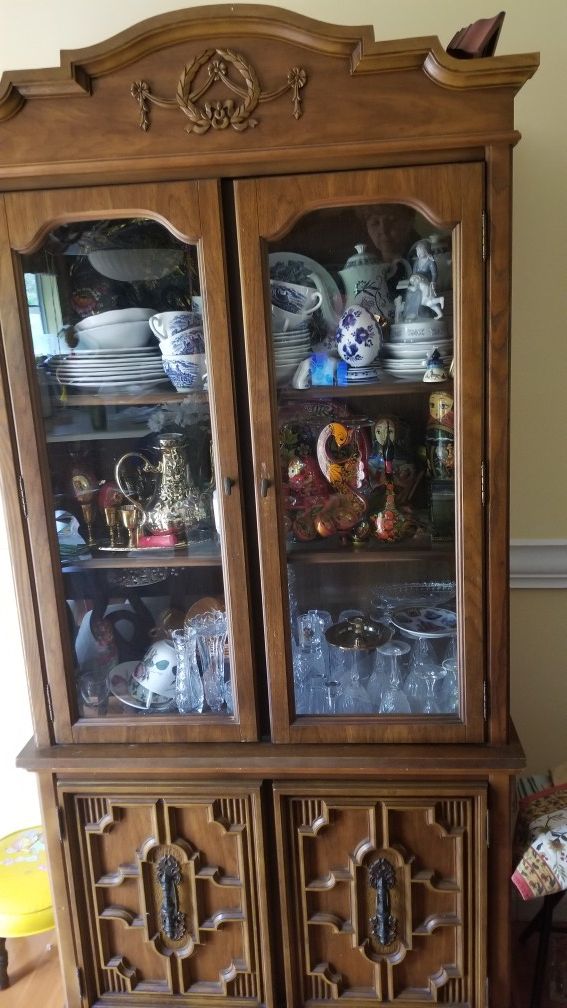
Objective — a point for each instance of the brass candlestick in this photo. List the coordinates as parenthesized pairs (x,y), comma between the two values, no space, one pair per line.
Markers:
(88,518)
(112,519)
(130,520)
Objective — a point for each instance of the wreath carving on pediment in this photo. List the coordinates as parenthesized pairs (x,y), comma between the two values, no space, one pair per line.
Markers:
(215,65)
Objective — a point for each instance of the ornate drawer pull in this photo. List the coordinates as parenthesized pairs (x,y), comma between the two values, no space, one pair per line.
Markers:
(382,878)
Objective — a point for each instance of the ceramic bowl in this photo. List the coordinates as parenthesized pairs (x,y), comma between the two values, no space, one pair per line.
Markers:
(358,337)
(157,670)
(134,265)
(167,324)
(117,316)
(185,371)
(283,320)
(119,336)
(188,341)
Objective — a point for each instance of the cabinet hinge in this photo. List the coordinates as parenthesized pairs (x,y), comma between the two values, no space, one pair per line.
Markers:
(483,482)
(49,701)
(484,235)
(61,822)
(487,828)
(81,982)
(487,993)
(22,493)
(485,700)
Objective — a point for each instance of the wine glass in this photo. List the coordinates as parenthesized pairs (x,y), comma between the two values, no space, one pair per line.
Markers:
(378,680)
(424,666)
(320,620)
(394,700)
(352,697)
(448,697)
(415,688)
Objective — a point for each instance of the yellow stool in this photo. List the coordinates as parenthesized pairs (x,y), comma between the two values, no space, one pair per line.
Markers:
(25,896)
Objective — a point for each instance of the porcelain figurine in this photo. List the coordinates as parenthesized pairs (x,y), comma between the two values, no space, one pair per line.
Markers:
(435,368)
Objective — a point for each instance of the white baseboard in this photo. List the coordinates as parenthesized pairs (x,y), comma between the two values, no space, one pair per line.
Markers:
(538,563)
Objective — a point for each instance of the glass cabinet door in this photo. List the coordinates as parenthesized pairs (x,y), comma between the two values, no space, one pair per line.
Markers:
(368,450)
(143,600)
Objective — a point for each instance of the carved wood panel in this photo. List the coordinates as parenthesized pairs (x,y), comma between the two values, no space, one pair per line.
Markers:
(381,895)
(171,894)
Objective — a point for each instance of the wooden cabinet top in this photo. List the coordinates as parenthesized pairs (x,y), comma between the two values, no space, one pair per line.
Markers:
(252,89)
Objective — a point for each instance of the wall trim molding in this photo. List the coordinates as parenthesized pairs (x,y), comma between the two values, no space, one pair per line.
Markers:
(538,563)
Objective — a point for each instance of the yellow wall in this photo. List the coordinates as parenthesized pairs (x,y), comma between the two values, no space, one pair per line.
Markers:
(34,33)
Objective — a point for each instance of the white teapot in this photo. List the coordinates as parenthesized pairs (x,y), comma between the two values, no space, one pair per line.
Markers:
(365,278)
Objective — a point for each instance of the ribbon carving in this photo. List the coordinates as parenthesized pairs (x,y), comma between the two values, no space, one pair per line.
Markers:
(218,113)
(382,878)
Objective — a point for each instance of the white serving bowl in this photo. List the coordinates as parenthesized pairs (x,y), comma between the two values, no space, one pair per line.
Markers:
(123,335)
(133,265)
(114,317)
(408,351)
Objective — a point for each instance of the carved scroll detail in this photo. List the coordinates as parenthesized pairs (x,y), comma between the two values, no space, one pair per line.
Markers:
(382,877)
(218,114)
(169,877)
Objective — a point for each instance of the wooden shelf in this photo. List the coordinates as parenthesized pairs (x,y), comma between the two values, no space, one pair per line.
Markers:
(125,399)
(319,552)
(373,389)
(199,555)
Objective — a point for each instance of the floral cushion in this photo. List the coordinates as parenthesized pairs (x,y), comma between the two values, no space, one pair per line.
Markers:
(541,835)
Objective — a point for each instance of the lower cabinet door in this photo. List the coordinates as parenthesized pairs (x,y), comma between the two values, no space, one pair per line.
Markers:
(168,893)
(383,893)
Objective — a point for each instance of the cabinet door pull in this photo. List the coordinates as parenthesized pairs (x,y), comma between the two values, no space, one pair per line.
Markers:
(228,485)
(382,878)
(265,485)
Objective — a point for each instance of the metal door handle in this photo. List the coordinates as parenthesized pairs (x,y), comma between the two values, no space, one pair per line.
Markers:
(228,483)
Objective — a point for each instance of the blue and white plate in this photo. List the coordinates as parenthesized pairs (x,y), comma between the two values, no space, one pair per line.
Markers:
(425,621)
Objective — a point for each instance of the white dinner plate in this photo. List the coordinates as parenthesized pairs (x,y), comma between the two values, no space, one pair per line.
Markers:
(117,386)
(80,373)
(101,354)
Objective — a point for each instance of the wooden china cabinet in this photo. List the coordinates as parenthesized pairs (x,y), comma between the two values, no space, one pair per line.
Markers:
(325,538)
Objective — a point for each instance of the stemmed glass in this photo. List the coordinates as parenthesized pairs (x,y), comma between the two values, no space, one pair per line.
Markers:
(425,669)
(353,698)
(394,700)
(378,681)
(316,622)
(449,691)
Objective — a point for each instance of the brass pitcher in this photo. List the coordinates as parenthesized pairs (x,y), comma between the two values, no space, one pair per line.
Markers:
(166,508)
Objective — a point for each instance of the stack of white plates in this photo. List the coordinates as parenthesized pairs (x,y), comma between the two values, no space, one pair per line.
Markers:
(290,348)
(134,369)
(409,360)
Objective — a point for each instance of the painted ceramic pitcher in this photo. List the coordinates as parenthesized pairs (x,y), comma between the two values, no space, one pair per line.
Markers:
(365,278)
